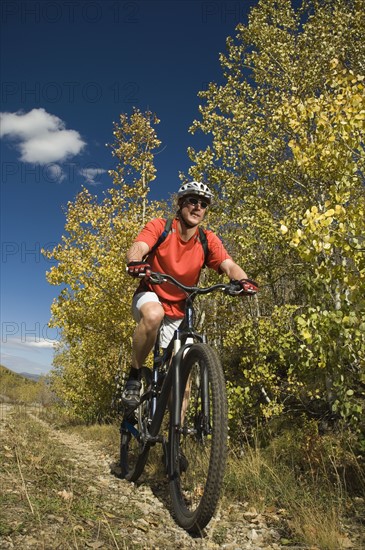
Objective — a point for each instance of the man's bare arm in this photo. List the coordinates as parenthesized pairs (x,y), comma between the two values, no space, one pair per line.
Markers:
(137,251)
(233,270)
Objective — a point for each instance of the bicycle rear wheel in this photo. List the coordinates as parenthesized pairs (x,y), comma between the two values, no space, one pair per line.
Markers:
(133,448)
(197,452)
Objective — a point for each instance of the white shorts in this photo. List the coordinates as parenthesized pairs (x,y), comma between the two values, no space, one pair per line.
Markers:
(168,325)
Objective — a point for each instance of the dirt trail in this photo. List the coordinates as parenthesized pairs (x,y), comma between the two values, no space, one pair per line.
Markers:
(152,526)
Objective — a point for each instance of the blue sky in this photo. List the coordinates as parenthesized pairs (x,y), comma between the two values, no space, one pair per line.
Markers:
(68,69)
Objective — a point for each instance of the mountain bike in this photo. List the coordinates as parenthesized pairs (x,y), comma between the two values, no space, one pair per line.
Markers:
(187,382)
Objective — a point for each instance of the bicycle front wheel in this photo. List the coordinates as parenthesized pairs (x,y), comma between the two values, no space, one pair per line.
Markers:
(133,448)
(197,451)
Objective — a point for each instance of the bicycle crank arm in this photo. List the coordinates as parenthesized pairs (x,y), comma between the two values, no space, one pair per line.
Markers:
(152,440)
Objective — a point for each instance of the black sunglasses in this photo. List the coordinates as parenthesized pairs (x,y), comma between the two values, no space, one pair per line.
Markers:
(193,201)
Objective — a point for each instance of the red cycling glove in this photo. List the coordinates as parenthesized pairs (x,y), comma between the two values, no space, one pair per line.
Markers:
(136,269)
(249,287)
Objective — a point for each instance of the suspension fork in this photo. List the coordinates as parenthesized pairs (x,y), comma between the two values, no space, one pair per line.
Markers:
(205,400)
(157,360)
(176,380)
(204,372)
(178,398)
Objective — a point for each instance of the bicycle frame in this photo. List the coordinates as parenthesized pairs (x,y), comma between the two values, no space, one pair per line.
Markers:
(182,340)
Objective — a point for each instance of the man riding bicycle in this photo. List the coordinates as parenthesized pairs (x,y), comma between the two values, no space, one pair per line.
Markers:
(180,254)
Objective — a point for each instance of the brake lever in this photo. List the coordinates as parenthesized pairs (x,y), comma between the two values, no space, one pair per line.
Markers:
(233,290)
(155,279)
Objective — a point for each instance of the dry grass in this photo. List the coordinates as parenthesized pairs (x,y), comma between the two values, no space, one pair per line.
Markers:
(47,501)
(315,506)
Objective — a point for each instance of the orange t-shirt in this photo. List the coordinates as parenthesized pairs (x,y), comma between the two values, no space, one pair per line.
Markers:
(182,260)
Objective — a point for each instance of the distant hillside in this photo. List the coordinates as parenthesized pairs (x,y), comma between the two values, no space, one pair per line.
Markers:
(17,388)
(4,371)
(30,376)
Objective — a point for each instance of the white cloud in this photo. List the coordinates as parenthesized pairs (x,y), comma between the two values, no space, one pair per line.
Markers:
(27,125)
(34,344)
(90,174)
(41,137)
(42,344)
(51,147)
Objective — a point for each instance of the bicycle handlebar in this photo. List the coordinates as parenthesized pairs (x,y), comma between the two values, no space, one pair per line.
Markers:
(233,288)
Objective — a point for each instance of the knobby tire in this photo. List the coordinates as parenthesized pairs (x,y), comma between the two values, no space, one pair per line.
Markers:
(203,441)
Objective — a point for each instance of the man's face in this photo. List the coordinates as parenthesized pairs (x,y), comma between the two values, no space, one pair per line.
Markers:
(193,209)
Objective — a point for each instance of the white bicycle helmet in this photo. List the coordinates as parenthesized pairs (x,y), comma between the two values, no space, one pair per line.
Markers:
(195,188)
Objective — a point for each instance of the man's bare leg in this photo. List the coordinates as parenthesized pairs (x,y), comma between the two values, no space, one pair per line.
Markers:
(144,337)
(145,334)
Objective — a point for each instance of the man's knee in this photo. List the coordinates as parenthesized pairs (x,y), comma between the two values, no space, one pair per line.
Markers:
(152,315)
